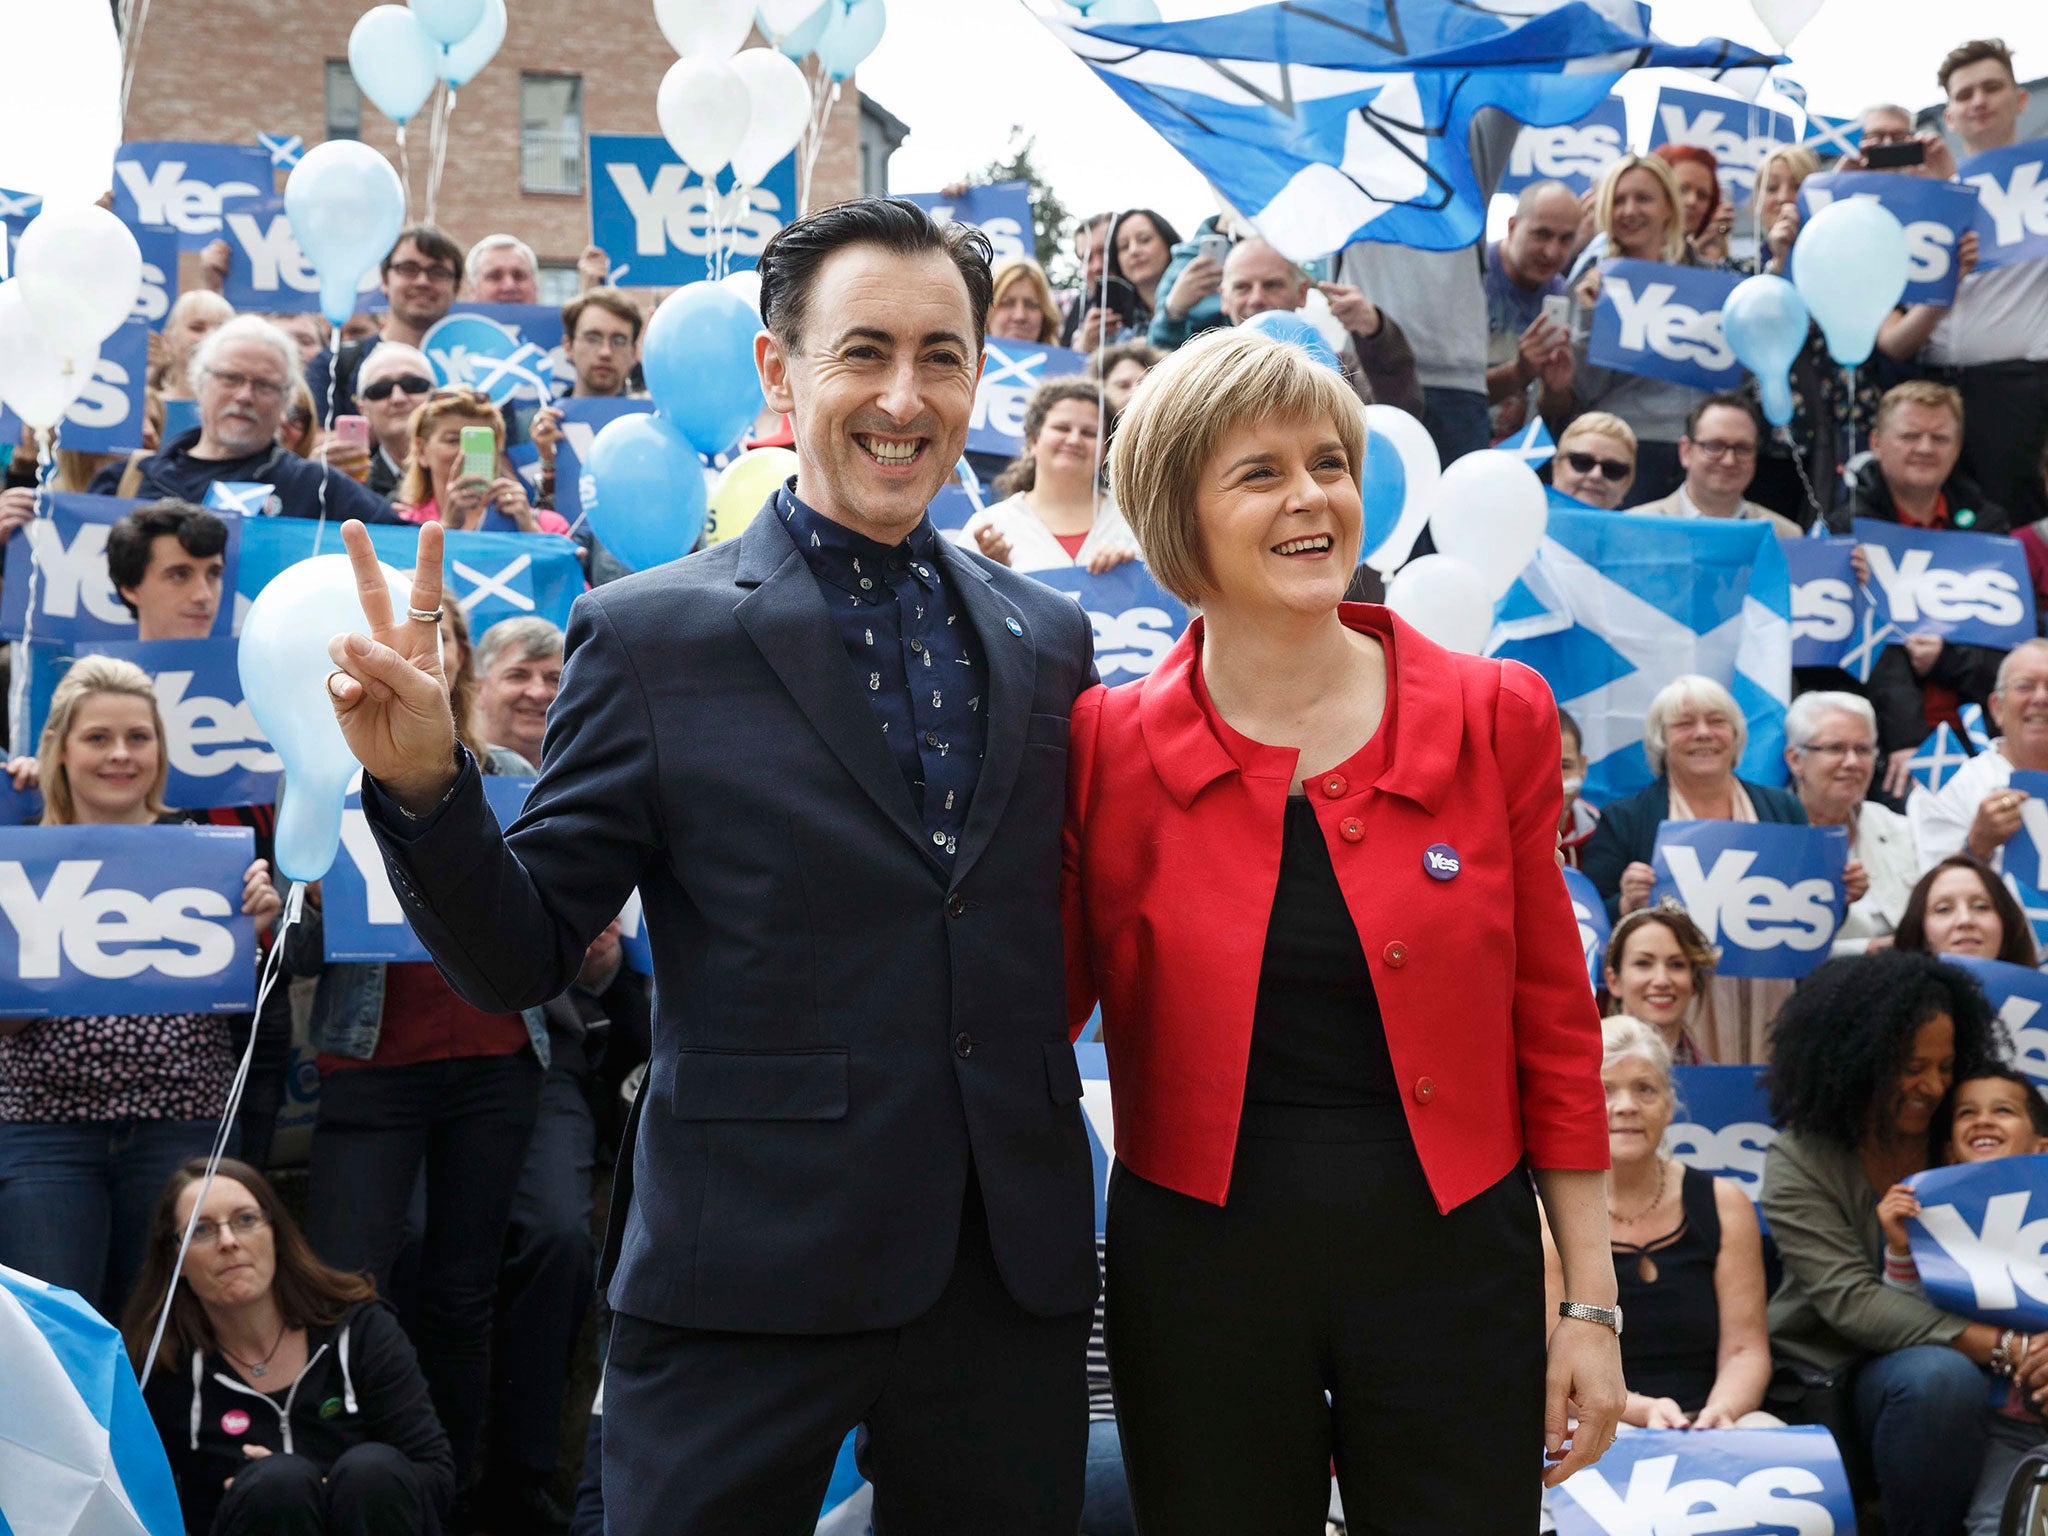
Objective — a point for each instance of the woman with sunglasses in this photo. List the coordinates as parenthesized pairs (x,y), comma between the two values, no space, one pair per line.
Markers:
(1596,460)
(394,381)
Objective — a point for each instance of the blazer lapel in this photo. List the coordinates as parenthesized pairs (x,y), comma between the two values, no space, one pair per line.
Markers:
(784,615)
(1012,669)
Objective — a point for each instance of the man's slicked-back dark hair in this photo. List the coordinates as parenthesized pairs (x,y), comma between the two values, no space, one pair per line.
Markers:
(789,263)
(131,540)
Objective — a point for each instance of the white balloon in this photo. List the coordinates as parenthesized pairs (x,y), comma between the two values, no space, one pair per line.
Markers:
(780,18)
(1784,19)
(37,380)
(746,284)
(1420,467)
(60,116)
(703,108)
(712,29)
(79,269)
(1315,309)
(1446,599)
(1490,511)
(780,110)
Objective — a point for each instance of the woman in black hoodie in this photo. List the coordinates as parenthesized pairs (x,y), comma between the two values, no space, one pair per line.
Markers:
(287,1397)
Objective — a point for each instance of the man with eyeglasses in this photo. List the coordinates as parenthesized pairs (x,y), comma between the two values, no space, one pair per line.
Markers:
(392,383)
(1718,454)
(421,275)
(601,335)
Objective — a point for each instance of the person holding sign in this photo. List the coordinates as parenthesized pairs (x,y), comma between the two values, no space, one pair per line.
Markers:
(96,1111)
(1310,873)
(1659,968)
(1864,1056)
(1960,907)
(1978,811)
(1055,514)
(442,483)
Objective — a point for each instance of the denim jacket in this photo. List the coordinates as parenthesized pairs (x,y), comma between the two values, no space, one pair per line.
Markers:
(348,999)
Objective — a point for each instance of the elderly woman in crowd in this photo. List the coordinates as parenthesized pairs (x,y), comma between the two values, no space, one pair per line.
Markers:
(95,1112)
(1311,874)
(1055,513)
(435,488)
(1596,460)
(1864,1056)
(1023,307)
(1961,907)
(1688,1257)
(1640,210)
(286,1394)
(1831,748)
(1659,969)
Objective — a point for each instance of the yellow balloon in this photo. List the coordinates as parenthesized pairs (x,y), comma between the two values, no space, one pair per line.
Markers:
(743,489)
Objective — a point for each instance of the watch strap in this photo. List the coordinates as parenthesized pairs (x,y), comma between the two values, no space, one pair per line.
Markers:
(1606,1317)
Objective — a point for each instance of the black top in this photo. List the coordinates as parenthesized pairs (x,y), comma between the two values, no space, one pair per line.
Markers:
(1317,1036)
(1672,1343)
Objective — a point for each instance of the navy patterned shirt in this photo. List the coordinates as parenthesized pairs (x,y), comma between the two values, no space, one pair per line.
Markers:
(914,658)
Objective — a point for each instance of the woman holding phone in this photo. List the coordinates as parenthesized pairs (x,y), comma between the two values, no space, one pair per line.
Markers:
(452,472)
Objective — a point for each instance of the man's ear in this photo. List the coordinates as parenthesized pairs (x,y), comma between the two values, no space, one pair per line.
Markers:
(772,363)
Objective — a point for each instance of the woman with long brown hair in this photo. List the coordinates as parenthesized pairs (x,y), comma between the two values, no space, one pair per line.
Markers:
(285,1392)
(1055,513)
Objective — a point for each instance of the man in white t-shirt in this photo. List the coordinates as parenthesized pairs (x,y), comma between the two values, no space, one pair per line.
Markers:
(1978,811)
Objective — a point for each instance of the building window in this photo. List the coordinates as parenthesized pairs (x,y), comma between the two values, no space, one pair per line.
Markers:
(559,282)
(344,102)
(551,133)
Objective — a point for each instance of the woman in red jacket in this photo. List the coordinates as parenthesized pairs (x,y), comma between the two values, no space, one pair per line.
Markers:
(1311,876)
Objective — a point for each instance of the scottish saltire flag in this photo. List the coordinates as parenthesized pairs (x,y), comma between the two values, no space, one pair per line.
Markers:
(1936,759)
(1533,445)
(78,1453)
(1612,608)
(1345,120)
(285,149)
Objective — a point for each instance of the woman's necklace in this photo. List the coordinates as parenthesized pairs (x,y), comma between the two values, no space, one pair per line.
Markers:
(257,1368)
(1657,1199)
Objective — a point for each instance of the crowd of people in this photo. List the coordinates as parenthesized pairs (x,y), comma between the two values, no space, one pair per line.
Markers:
(399,1354)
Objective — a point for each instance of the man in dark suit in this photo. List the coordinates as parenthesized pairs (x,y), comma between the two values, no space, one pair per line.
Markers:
(831,755)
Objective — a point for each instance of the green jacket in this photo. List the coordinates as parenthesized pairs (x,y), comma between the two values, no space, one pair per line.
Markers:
(1833,1306)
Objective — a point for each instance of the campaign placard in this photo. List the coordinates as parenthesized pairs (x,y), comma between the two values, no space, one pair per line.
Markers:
(2017,993)
(190,188)
(1936,215)
(2012,202)
(582,420)
(661,225)
(1726,1129)
(1013,370)
(1663,321)
(511,352)
(1739,134)
(1769,895)
(116,919)
(107,415)
(1576,154)
(218,753)
(75,598)
(1825,600)
(267,272)
(1740,1482)
(159,287)
(1594,928)
(1972,588)
(1001,210)
(1135,619)
(1980,1241)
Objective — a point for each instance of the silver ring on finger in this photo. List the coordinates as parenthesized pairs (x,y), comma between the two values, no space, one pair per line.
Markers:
(424,615)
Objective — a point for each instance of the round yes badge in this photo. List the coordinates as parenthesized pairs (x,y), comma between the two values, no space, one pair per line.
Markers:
(234,1422)
(1440,861)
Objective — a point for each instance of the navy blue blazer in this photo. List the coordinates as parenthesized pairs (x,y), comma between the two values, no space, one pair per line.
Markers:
(1627,833)
(840,1032)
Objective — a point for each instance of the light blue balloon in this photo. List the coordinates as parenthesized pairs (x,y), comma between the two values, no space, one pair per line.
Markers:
(448,21)
(804,39)
(1765,322)
(851,32)
(1384,490)
(1285,325)
(461,59)
(643,491)
(346,208)
(394,61)
(699,363)
(1849,264)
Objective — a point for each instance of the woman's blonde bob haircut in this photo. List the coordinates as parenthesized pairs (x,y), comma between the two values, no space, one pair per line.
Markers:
(1674,202)
(90,675)
(1221,380)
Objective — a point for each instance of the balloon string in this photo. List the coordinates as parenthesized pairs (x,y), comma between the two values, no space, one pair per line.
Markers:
(136,16)
(327,425)
(405,170)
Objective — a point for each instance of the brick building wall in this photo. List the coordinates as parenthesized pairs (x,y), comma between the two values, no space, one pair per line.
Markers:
(224,70)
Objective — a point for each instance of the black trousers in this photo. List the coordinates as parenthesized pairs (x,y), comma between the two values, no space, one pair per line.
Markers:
(1327,1311)
(2005,411)
(976,1417)
(371,1490)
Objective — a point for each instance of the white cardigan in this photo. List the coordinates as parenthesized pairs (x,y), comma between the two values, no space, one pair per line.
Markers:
(1032,545)
(1884,845)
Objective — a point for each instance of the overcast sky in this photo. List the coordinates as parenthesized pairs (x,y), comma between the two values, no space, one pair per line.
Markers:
(960,72)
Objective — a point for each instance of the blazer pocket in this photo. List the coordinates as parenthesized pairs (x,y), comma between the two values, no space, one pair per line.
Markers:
(760,1085)
(1062,1073)
(1047,730)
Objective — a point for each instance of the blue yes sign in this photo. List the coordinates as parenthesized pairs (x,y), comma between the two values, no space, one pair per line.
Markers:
(1727,1126)
(1771,896)
(1739,135)
(125,920)
(1825,602)
(1936,215)
(1014,370)
(189,188)
(2012,197)
(1135,619)
(1981,1240)
(1573,153)
(219,754)
(1664,322)
(1594,928)
(1734,1482)
(1967,587)
(2018,994)
(660,228)
(1001,210)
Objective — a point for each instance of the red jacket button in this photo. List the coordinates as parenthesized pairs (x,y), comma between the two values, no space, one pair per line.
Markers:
(1335,785)
(1352,829)
(1395,954)
(1425,1089)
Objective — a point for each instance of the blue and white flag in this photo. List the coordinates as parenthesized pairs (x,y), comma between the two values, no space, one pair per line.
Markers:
(1936,759)
(190,188)
(125,920)
(1594,928)
(285,149)
(243,498)
(1663,321)
(1576,154)
(582,420)
(1350,120)
(1727,1126)
(1980,1241)
(1770,896)
(1001,210)
(1135,619)
(1825,136)
(107,415)
(1100,1117)
(79,1453)
(1631,602)
(655,218)
(361,918)
(17,209)
(218,753)
(1738,134)
(2017,994)
(159,286)
(1936,216)
(511,352)
(1533,445)
(2012,196)
(266,270)
(75,598)
(1825,601)
(1014,370)
(1972,588)
(633,941)
(1736,1482)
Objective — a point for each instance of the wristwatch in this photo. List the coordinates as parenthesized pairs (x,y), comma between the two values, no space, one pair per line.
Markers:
(1606,1317)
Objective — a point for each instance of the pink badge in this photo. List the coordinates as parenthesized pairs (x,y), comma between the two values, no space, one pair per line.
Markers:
(235,1422)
